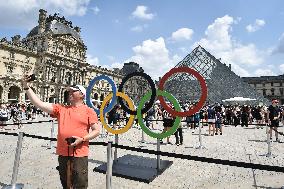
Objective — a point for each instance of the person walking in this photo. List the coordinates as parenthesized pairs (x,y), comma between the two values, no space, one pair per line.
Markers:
(74,123)
(273,118)
(211,120)
(3,116)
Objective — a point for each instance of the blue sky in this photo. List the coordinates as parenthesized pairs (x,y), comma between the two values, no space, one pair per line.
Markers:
(158,34)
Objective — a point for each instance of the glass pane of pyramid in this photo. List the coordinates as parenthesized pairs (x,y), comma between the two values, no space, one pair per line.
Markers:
(222,83)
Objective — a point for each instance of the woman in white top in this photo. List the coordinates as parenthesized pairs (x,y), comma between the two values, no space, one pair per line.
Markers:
(3,116)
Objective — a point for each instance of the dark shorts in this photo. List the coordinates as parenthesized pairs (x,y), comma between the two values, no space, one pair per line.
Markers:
(80,171)
(168,122)
(275,123)
(112,121)
(218,125)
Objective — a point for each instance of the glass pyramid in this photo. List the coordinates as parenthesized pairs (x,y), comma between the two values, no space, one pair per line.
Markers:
(222,83)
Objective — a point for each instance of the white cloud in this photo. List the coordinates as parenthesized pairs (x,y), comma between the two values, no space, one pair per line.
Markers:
(256,26)
(264,72)
(140,12)
(139,28)
(182,34)
(219,42)
(281,68)
(153,57)
(116,65)
(24,13)
(92,60)
(280,46)
(95,10)
(95,62)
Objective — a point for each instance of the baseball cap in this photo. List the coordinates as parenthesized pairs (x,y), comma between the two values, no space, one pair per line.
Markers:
(78,88)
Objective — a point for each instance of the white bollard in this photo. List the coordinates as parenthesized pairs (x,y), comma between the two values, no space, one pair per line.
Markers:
(115,149)
(109,165)
(158,156)
(103,133)
(15,185)
(51,134)
(142,137)
(268,142)
(200,138)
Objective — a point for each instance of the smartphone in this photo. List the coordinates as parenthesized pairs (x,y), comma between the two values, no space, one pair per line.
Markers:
(32,77)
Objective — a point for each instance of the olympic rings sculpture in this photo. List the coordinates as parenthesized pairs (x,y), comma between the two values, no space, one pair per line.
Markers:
(118,96)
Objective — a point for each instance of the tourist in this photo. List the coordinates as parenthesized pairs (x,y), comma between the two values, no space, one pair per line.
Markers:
(3,115)
(179,135)
(273,114)
(74,122)
(202,116)
(211,120)
(218,123)
(150,117)
(196,118)
(258,117)
(17,117)
(168,122)
(34,110)
(244,116)
(113,117)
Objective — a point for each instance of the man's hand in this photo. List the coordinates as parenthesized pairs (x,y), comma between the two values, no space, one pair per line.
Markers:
(78,141)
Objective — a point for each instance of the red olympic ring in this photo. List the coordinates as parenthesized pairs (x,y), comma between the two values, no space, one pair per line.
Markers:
(202,99)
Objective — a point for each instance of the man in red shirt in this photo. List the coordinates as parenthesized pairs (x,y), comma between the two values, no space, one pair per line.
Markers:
(74,121)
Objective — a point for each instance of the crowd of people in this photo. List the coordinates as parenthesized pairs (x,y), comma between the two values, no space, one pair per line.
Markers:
(214,116)
(17,113)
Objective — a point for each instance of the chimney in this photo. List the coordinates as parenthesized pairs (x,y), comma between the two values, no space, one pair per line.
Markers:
(77,29)
(41,21)
(230,66)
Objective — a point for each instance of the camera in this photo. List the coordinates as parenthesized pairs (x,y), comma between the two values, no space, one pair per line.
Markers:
(32,77)
(70,140)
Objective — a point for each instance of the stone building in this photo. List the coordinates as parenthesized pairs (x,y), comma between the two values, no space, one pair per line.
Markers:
(271,87)
(56,54)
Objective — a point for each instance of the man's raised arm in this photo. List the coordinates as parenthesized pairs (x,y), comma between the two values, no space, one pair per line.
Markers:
(44,106)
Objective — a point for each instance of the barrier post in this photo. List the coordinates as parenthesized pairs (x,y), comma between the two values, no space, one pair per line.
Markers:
(51,134)
(103,133)
(109,165)
(200,138)
(158,156)
(115,149)
(142,137)
(15,185)
(268,142)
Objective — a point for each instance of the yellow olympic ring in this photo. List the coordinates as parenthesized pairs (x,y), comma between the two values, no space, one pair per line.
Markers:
(131,119)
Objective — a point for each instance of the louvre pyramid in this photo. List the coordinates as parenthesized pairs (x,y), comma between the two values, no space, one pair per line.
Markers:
(222,83)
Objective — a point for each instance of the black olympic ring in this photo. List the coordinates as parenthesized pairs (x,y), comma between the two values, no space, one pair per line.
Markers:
(153,95)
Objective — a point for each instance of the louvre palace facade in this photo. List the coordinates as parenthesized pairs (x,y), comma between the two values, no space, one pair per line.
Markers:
(56,54)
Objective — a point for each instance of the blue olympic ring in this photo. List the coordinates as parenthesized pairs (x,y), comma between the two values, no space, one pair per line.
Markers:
(89,91)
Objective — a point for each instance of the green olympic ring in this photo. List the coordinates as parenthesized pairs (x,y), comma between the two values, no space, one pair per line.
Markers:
(175,126)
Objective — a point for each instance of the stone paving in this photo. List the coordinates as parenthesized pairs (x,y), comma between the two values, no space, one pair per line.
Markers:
(37,165)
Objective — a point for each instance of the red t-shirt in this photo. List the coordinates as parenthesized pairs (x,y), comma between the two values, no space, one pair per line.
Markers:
(73,121)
